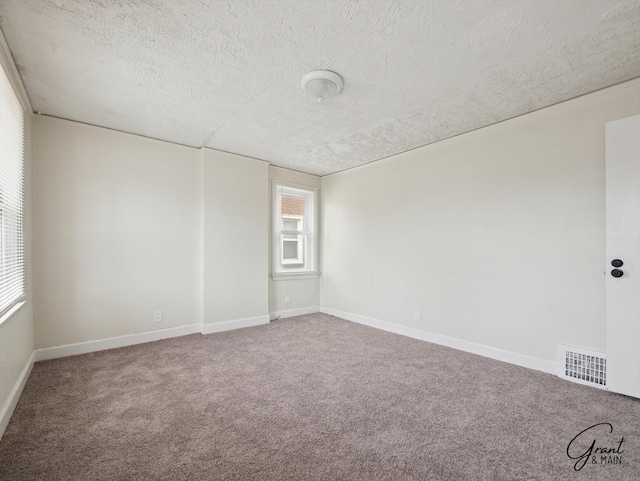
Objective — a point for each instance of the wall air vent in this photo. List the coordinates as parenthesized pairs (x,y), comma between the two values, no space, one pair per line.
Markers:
(582,366)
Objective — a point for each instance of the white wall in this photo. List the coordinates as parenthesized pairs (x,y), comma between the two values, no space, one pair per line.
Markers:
(16,346)
(126,225)
(305,293)
(235,229)
(496,236)
(116,221)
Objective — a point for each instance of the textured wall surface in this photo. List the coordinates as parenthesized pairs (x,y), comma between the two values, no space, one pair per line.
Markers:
(226,74)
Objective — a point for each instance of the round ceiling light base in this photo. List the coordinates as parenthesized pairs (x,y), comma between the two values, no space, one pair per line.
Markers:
(322,84)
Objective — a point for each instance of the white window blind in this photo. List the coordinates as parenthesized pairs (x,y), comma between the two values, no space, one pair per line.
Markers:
(11,196)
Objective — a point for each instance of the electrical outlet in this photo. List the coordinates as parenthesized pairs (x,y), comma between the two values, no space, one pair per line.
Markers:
(287,299)
(157,316)
(416,316)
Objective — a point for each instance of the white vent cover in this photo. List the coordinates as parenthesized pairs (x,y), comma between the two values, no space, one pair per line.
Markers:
(582,366)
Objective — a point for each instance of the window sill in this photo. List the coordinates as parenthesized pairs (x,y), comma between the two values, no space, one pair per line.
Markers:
(294,276)
(6,317)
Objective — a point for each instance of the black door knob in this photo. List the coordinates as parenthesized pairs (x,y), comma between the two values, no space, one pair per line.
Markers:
(617,263)
(617,273)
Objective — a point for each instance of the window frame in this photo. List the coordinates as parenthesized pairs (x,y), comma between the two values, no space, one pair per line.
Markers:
(308,230)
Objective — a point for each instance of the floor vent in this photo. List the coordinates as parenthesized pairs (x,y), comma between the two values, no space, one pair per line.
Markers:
(584,367)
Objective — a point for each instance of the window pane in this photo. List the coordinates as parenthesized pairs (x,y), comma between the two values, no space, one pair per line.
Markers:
(290,249)
(293,251)
(291,224)
(292,205)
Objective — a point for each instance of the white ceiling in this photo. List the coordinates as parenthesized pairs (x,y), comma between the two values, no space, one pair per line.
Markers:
(226,74)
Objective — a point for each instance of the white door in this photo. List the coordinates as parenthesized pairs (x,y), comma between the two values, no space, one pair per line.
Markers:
(623,247)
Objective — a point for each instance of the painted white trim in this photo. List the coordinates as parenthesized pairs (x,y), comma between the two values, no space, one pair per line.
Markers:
(235,324)
(9,314)
(296,312)
(56,352)
(294,276)
(549,367)
(114,342)
(12,401)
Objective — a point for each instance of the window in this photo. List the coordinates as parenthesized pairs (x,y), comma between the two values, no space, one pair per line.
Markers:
(293,247)
(11,196)
(294,229)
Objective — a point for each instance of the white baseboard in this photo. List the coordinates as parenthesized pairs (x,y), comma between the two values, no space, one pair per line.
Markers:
(523,360)
(55,352)
(295,312)
(12,401)
(236,324)
(114,342)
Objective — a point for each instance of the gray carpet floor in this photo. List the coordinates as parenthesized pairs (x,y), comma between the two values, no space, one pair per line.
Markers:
(308,398)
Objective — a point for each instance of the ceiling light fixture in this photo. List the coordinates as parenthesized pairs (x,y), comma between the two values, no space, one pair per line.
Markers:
(322,84)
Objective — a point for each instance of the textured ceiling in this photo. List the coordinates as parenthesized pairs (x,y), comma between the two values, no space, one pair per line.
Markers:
(226,74)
